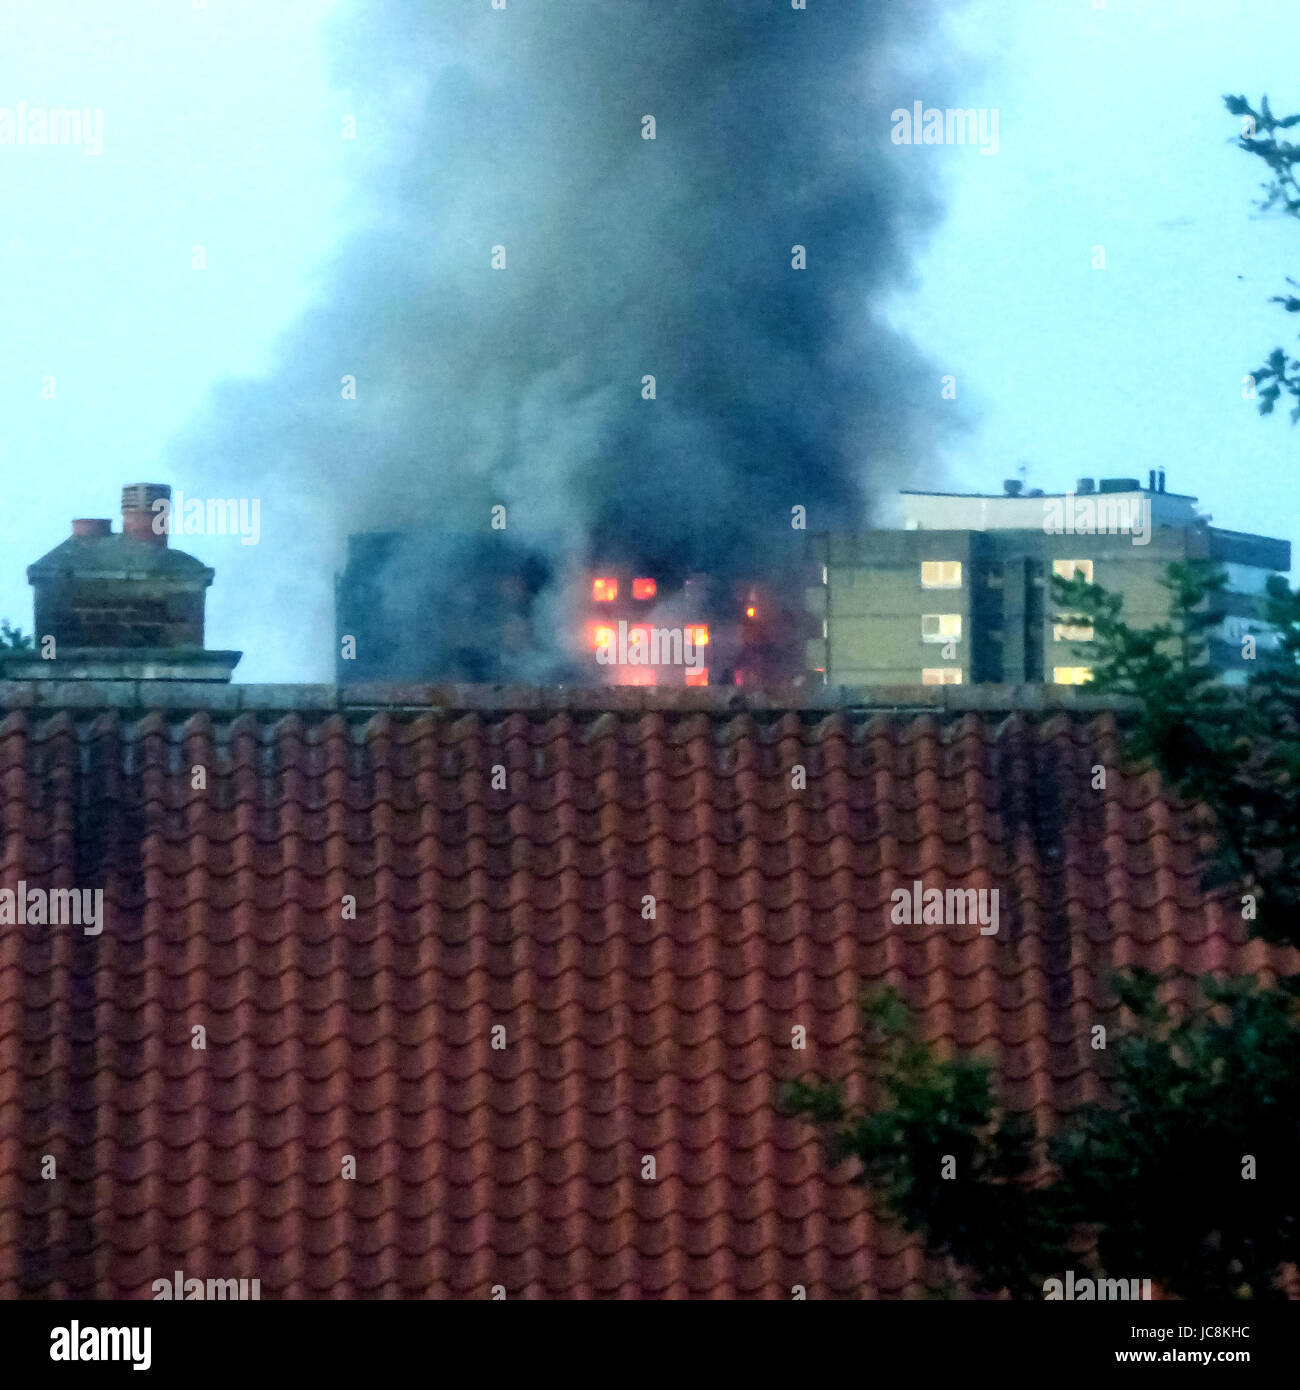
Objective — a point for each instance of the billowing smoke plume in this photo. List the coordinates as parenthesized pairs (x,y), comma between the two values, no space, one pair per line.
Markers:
(624,258)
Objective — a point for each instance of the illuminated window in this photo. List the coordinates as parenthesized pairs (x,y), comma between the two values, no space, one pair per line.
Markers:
(941,675)
(642,588)
(700,677)
(604,590)
(699,635)
(601,635)
(1071,675)
(751,611)
(1073,569)
(941,627)
(1072,632)
(941,574)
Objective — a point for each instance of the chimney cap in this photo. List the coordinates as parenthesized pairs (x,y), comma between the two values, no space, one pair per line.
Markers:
(140,497)
(139,516)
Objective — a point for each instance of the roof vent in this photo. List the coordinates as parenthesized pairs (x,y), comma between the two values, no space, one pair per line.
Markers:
(1084,486)
(1119,485)
(138,514)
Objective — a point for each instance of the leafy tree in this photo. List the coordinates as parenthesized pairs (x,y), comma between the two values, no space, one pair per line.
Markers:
(12,639)
(1157,1176)
(1237,756)
(1261,136)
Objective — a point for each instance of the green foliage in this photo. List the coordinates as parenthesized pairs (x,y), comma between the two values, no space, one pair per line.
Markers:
(1236,755)
(1166,667)
(929,1111)
(1156,1175)
(1161,1173)
(12,639)
(1281,192)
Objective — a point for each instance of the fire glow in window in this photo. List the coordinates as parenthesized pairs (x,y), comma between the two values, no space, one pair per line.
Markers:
(1071,675)
(941,574)
(644,588)
(699,635)
(941,675)
(604,590)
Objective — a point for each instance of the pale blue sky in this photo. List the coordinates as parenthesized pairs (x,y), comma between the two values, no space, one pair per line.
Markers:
(222,129)
(1112,132)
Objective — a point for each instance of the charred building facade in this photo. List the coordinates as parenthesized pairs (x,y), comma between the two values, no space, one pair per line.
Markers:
(615,625)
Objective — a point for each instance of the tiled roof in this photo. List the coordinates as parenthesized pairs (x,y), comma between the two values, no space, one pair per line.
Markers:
(114,555)
(521,908)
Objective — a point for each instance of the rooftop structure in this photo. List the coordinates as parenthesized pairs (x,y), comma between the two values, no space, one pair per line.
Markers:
(962,593)
(120,605)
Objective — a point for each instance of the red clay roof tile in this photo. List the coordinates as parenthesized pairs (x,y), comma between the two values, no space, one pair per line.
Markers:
(521,907)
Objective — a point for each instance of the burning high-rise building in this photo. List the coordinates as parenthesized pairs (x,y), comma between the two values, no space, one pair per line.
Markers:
(614,626)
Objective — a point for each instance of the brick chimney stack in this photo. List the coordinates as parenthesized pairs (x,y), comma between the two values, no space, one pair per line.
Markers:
(120,606)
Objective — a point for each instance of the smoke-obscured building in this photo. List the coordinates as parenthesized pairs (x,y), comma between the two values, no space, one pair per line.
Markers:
(615,624)
(963,592)
(479,628)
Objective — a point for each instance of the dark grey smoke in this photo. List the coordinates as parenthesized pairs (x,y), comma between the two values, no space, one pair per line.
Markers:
(625,257)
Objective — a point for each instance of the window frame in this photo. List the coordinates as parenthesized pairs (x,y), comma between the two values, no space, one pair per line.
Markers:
(1075,572)
(941,583)
(1056,675)
(941,671)
(941,638)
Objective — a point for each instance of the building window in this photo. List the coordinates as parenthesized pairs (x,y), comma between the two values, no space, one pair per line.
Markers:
(1071,675)
(604,590)
(941,675)
(1073,569)
(1072,632)
(941,627)
(941,574)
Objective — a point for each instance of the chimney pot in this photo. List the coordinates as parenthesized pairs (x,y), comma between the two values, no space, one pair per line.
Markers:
(138,514)
(92,526)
